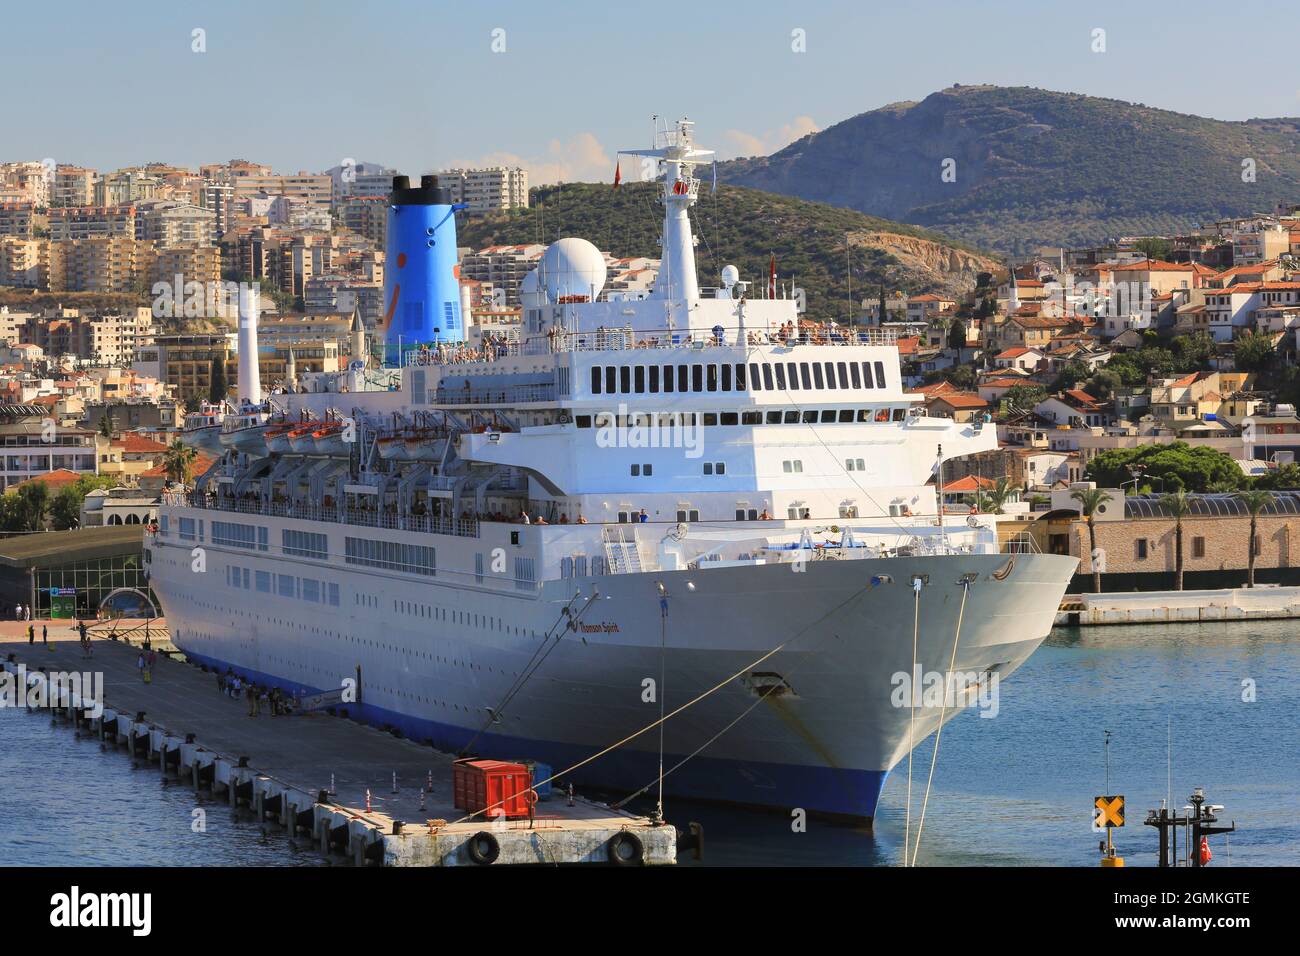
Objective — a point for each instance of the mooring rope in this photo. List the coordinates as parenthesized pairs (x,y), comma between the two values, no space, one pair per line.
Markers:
(934,757)
(911,721)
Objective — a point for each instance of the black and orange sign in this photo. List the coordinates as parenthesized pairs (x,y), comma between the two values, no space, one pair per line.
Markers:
(1110,810)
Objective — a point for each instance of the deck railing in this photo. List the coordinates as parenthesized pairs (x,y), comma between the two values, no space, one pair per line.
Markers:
(361,517)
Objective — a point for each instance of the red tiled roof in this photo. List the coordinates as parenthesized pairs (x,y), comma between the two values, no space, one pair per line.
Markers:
(53,480)
(961,400)
(969,483)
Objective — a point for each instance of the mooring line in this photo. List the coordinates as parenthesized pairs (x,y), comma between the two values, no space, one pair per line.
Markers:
(934,757)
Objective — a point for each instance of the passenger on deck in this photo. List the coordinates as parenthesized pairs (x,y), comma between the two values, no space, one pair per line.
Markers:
(765,516)
(541,519)
(564,518)
(581,519)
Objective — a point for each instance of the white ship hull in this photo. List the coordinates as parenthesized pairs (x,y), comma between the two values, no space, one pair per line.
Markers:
(433,657)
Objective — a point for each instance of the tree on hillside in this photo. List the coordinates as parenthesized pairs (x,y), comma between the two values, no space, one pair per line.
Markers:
(1023,398)
(1285,478)
(1153,247)
(107,423)
(1178,504)
(218,387)
(1090,499)
(1177,465)
(1254,501)
(1253,353)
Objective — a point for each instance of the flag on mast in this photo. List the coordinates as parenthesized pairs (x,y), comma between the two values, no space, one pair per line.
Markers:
(771,277)
(618,173)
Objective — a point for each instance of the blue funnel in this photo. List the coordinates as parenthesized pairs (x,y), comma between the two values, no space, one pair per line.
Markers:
(421,288)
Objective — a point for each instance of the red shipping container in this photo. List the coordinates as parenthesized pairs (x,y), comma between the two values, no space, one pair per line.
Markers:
(505,788)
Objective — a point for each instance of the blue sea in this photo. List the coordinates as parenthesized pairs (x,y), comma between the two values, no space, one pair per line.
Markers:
(1010,791)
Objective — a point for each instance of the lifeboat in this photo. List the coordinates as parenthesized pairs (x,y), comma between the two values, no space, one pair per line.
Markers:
(392,447)
(300,439)
(277,437)
(330,440)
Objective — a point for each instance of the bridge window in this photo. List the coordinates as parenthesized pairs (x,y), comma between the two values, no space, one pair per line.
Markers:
(880,374)
(610,385)
(697,378)
(780,376)
(712,377)
(740,377)
(828,416)
(625,379)
(726,377)
(857,376)
(846,415)
(595,380)
(866,376)
(668,378)
(654,378)
(844,373)
(682,375)
(730,418)
(803,375)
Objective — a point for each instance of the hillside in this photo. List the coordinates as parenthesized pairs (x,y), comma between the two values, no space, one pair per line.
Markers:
(1035,167)
(743,227)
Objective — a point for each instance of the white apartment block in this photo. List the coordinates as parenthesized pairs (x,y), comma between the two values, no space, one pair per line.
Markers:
(487,190)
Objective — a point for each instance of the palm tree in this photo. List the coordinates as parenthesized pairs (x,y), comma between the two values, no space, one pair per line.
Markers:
(1091,499)
(178,462)
(999,495)
(1178,504)
(1255,500)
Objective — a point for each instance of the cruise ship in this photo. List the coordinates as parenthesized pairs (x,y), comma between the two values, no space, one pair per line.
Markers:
(689,502)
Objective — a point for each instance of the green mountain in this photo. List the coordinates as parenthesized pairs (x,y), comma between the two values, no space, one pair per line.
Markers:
(1034,167)
(815,245)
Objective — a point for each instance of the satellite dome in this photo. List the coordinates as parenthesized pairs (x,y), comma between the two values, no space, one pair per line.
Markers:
(571,267)
(530,291)
(730,276)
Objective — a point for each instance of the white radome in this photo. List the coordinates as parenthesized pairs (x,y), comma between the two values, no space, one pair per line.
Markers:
(530,291)
(572,266)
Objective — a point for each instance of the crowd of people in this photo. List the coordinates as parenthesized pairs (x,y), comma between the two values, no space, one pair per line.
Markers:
(257,696)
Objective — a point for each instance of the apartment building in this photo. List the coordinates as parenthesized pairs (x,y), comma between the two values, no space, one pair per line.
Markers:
(17,219)
(126,186)
(192,262)
(103,338)
(493,189)
(366,216)
(503,266)
(175,224)
(24,262)
(115,264)
(219,198)
(314,189)
(92,222)
(184,361)
(73,186)
(27,181)
(31,446)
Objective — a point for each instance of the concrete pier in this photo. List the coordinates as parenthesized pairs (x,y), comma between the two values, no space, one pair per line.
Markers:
(282,768)
(1180,607)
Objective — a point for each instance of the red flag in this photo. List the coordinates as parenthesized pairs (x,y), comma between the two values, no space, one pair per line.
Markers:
(771,277)
(618,174)
(1206,855)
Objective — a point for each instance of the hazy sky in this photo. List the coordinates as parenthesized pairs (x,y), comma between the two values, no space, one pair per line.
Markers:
(304,84)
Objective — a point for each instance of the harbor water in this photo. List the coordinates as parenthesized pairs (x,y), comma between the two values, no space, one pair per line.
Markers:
(1013,790)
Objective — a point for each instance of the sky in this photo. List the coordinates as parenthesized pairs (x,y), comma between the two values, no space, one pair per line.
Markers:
(559,86)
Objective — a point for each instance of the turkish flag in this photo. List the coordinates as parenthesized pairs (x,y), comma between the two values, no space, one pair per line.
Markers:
(618,174)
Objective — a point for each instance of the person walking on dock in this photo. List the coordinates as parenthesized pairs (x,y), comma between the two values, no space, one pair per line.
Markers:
(31,634)
(45,635)
(18,612)
(139,664)
(27,613)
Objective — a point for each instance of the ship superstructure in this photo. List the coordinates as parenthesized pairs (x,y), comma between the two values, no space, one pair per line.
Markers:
(655,494)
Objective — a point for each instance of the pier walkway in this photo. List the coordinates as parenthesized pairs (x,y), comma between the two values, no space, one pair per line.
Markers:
(310,773)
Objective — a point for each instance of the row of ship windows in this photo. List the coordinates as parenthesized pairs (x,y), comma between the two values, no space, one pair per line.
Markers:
(311,590)
(808,416)
(737,377)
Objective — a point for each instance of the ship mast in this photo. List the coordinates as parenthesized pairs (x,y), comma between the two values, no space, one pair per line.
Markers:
(677,279)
